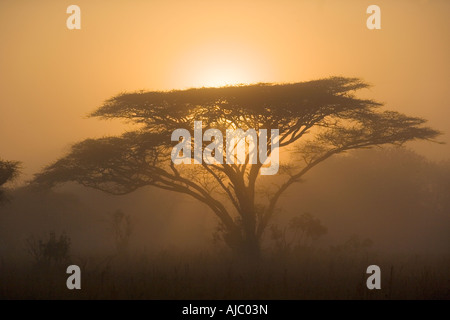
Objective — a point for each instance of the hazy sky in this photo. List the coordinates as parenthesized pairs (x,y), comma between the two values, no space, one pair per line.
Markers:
(51,77)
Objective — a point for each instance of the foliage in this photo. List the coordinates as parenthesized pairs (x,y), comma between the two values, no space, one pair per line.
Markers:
(9,170)
(302,231)
(121,229)
(316,120)
(52,250)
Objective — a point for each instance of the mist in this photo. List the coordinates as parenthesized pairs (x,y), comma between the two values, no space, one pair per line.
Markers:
(53,77)
(82,156)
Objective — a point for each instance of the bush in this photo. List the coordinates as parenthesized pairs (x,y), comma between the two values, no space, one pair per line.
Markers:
(53,250)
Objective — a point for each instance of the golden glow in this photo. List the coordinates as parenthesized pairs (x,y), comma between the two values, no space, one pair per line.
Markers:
(51,77)
(216,74)
(217,71)
(215,64)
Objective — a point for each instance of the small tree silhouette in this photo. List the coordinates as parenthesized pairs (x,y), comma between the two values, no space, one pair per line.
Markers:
(121,227)
(301,231)
(307,228)
(51,251)
(9,170)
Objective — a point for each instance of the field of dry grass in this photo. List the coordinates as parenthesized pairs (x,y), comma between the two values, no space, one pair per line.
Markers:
(314,274)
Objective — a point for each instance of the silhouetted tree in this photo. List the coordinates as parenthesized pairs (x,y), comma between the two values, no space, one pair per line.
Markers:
(8,171)
(52,250)
(121,228)
(302,231)
(316,120)
(308,228)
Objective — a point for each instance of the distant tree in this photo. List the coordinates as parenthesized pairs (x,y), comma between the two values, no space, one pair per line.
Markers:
(51,250)
(316,120)
(308,228)
(121,228)
(302,231)
(9,170)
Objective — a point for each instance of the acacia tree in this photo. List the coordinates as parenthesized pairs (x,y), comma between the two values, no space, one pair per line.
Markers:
(9,170)
(315,119)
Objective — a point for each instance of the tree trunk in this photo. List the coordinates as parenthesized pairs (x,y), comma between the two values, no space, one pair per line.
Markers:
(244,244)
(251,249)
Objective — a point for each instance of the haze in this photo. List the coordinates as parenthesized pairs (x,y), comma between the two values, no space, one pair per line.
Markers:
(51,77)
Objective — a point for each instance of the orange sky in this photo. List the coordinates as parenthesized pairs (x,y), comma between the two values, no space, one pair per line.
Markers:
(51,77)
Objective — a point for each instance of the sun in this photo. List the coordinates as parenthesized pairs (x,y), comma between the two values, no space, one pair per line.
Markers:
(217,65)
(221,74)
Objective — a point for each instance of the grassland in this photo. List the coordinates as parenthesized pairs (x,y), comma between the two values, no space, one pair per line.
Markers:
(307,274)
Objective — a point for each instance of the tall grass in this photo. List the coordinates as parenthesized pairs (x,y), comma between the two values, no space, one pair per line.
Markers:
(304,274)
